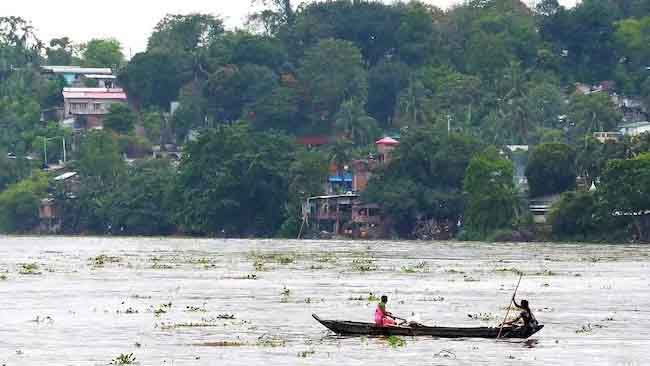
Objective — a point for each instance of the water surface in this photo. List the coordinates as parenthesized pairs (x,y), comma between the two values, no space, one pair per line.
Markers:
(84,301)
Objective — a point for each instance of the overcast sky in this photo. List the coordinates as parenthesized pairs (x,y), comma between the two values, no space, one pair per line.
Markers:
(130,21)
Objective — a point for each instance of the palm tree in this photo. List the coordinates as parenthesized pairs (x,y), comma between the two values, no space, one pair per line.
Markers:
(355,124)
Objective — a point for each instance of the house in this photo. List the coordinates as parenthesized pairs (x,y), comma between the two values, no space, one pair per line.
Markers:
(75,76)
(385,148)
(635,128)
(540,207)
(342,215)
(604,137)
(88,106)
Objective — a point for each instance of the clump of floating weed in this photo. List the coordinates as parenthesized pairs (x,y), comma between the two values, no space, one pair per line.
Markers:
(162,309)
(128,311)
(267,341)
(30,269)
(454,271)
(226,316)
(195,309)
(470,279)
(434,299)
(546,272)
(3,277)
(482,316)
(512,270)
(371,298)
(364,265)
(305,354)
(395,342)
(223,344)
(585,329)
(286,292)
(124,359)
(419,267)
(102,259)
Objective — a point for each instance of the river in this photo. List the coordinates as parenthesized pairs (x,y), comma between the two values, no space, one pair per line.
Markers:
(85,301)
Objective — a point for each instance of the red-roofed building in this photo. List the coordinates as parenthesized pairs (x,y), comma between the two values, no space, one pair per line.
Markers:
(385,148)
(91,103)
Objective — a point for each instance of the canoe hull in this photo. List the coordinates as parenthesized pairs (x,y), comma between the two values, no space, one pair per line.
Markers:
(348,328)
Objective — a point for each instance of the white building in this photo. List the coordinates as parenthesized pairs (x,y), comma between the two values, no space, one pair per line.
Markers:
(635,128)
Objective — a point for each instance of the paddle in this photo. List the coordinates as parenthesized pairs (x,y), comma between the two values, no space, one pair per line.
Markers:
(509,306)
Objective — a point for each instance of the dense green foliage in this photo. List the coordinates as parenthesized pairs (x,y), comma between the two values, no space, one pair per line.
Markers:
(491,194)
(451,82)
(551,169)
(425,180)
(19,204)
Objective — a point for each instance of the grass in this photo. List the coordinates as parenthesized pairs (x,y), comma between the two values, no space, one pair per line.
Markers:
(124,359)
(395,342)
(30,269)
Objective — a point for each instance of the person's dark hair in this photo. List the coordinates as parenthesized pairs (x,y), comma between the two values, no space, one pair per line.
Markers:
(384,298)
(524,304)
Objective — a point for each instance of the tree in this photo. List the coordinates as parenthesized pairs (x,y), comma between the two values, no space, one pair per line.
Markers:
(60,52)
(623,193)
(354,123)
(184,33)
(330,73)
(424,180)
(143,202)
(234,181)
(100,157)
(574,215)
(386,80)
(154,78)
(103,53)
(551,169)
(491,194)
(20,202)
(233,89)
(593,113)
(120,119)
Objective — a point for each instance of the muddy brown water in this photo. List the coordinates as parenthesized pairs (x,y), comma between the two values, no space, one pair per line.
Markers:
(85,301)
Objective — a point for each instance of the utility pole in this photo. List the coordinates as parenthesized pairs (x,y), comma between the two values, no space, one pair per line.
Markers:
(448,125)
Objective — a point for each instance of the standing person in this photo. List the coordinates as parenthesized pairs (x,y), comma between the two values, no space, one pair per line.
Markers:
(383,318)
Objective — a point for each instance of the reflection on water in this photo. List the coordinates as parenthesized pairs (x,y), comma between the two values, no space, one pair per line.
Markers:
(85,301)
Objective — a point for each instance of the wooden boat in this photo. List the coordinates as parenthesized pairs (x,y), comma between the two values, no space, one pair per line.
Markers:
(370,329)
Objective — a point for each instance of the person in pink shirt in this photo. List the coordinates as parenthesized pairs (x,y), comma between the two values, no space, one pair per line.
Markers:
(383,318)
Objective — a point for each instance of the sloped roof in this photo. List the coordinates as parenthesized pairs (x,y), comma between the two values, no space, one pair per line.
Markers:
(94,93)
(388,141)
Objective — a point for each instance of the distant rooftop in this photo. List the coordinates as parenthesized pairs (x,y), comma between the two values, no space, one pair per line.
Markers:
(388,141)
(94,93)
(99,76)
(78,70)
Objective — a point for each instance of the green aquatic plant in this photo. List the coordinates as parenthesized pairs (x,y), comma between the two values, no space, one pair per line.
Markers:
(102,259)
(30,269)
(269,341)
(3,277)
(195,309)
(482,316)
(364,265)
(162,309)
(226,316)
(512,270)
(395,342)
(305,354)
(124,359)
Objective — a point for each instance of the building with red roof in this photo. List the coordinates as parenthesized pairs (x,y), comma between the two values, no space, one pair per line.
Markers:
(91,104)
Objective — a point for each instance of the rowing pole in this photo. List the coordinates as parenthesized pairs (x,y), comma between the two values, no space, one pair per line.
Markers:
(509,306)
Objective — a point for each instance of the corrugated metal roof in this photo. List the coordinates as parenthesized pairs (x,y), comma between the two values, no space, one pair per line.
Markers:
(77,70)
(94,93)
(99,76)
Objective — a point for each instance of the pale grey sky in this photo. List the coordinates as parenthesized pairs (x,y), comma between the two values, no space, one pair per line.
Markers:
(130,21)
